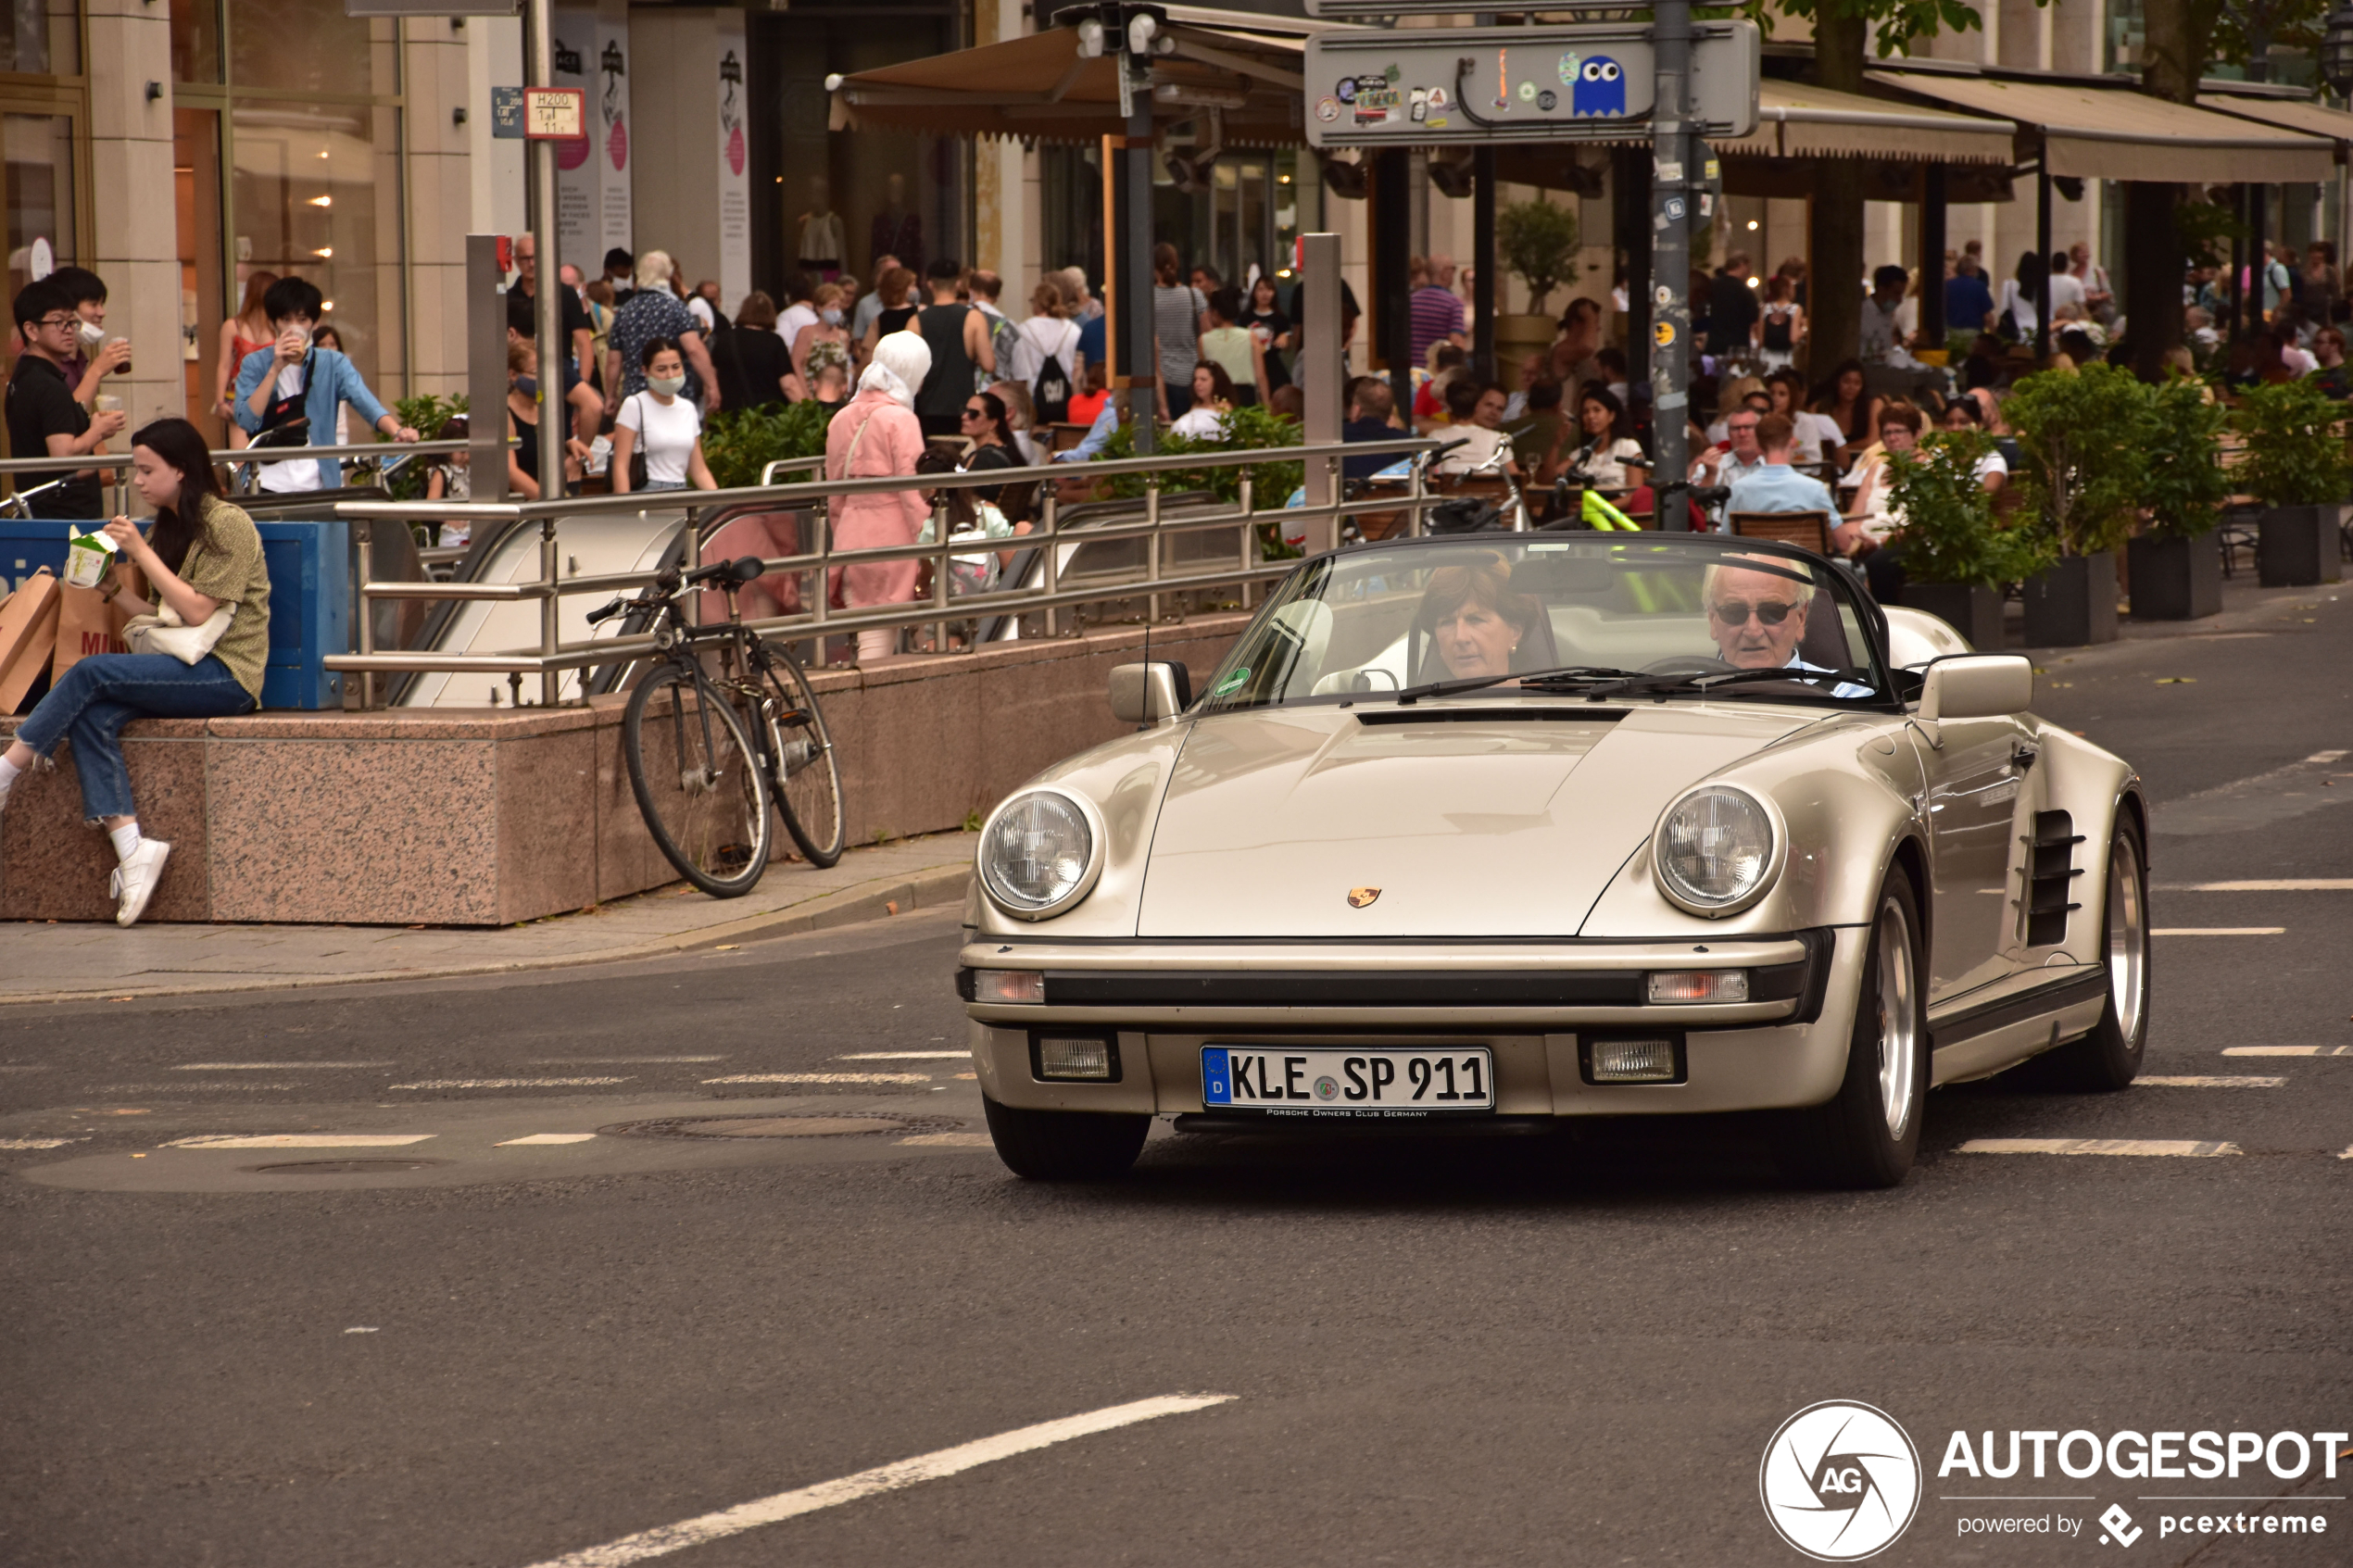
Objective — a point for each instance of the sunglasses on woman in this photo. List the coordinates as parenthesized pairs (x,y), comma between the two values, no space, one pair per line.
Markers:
(976,413)
(1734,612)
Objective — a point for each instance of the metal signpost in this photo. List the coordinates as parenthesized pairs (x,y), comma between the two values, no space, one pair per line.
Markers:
(1670,82)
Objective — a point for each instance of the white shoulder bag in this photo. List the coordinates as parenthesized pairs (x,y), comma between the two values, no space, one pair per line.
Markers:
(164,631)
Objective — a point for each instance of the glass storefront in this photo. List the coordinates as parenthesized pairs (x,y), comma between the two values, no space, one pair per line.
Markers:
(40,194)
(287,142)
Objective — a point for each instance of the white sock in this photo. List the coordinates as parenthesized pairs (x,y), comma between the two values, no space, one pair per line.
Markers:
(126,839)
(9,772)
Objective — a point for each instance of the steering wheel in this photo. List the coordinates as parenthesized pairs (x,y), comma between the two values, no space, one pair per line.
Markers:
(1687,664)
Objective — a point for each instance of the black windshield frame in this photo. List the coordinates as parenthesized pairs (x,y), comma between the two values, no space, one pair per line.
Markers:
(1825,577)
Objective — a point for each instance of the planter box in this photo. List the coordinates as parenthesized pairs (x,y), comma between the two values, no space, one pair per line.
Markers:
(2073,604)
(2176,579)
(1975,613)
(2296,547)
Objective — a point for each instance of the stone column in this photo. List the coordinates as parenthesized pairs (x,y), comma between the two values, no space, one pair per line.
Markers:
(435,68)
(136,242)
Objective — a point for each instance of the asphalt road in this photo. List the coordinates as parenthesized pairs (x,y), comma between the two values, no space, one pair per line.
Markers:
(497,1353)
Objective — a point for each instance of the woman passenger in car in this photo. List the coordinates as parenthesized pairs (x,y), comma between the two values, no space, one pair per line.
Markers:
(1476,624)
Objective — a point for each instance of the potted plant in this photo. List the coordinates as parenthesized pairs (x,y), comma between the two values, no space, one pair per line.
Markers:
(2176,565)
(1536,242)
(2297,466)
(2082,434)
(1956,558)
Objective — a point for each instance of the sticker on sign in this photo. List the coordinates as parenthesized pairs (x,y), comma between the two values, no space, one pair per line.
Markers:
(554,114)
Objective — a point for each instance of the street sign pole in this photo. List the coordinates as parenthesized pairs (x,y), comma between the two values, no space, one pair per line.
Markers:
(553,410)
(1670,259)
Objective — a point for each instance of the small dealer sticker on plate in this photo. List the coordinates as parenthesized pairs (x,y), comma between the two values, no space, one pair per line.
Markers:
(1337,1082)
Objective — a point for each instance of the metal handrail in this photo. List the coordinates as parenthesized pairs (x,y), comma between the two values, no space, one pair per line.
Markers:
(552,656)
(242,455)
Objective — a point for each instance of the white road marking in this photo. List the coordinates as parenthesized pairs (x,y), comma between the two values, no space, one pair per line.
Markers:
(2186,1147)
(271,1066)
(507,1083)
(947,1140)
(2278,884)
(2325,757)
(546,1137)
(2287,1050)
(31,1067)
(40,1142)
(822,1078)
(143,1089)
(2220,931)
(2346,1154)
(300,1140)
(905,1056)
(2194,1081)
(733,1520)
(363,1331)
(617,1061)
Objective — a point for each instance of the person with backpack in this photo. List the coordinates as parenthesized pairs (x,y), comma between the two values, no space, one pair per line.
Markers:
(985,288)
(1045,355)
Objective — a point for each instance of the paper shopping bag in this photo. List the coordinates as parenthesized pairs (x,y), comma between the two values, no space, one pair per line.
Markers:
(27,637)
(88,622)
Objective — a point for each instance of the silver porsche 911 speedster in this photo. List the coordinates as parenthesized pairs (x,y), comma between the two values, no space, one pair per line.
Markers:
(1479,831)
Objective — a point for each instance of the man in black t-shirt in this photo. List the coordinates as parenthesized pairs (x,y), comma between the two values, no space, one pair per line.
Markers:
(959,338)
(45,418)
(1733,308)
(580,333)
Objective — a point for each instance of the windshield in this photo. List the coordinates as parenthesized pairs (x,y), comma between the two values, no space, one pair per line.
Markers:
(1672,616)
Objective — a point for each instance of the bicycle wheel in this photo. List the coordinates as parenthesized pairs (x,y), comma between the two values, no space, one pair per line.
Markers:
(807,781)
(698,782)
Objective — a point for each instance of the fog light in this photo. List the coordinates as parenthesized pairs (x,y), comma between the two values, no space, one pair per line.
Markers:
(1009,985)
(1633,1061)
(1074,1058)
(1699,986)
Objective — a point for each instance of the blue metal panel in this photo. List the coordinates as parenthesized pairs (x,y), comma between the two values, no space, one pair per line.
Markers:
(309,597)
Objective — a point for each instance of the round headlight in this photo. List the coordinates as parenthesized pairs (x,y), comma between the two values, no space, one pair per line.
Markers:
(1716,850)
(1040,854)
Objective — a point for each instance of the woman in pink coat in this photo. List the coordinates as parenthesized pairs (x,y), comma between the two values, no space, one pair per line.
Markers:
(875,436)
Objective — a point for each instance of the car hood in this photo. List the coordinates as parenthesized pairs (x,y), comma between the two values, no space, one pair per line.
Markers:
(1469,819)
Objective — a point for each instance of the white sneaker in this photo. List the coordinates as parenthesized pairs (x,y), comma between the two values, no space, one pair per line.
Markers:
(134,880)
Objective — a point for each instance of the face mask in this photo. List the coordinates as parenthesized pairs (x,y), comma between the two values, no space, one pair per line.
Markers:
(668,386)
(832,317)
(527,385)
(91,334)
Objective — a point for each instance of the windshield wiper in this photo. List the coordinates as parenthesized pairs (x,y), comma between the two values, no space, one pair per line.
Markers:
(1704,682)
(1538,678)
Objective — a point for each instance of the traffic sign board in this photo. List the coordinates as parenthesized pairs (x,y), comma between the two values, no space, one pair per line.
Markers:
(1416,87)
(554,114)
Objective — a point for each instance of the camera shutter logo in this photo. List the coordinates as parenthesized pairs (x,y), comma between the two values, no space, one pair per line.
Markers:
(1840,1480)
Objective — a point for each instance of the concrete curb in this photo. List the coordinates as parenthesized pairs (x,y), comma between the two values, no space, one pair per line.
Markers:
(929,888)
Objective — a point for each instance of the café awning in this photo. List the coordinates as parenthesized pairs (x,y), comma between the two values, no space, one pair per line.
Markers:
(1243,65)
(2287,114)
(2118,133)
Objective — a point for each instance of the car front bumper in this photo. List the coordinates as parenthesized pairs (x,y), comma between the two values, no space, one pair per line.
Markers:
(1533,1005)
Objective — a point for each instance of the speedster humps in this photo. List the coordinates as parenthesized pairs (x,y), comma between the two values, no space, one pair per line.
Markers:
(1476,831)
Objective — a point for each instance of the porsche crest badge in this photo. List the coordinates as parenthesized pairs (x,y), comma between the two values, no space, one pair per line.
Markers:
(1360,896)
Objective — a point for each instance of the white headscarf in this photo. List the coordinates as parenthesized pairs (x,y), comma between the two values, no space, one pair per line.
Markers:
(901,361)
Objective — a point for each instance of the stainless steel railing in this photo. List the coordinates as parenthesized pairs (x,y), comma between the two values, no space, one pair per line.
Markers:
(1049,598)
(117,464)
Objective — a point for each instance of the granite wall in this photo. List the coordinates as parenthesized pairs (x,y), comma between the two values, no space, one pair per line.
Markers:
(485,818)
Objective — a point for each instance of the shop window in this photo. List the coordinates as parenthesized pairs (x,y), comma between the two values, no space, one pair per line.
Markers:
(305,46)
(42,38)
(315,196)
(39,174)
(195,40)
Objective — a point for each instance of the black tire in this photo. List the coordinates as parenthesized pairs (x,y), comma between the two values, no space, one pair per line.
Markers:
(698,782)
(2109,1057)
(1853,1140)
(808,785)
(1065,1146)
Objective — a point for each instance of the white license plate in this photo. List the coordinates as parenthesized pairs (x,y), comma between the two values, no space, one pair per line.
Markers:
(1338,1081)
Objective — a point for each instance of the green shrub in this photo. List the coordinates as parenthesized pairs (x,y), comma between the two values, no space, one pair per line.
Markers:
(425,415)
(1949,532)
(2295,455)
(2183,485)
(2084,435)
(738,443)
(1255,428)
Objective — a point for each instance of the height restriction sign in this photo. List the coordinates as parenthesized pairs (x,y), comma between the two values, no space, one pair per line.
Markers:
(554,114)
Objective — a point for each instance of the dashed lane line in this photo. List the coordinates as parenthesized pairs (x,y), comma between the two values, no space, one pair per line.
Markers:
(772,1510)
(822,1078)
(508,1084)
(905,1056)
(2195,1081)
(190,1087)
(2184,1147)
(300,1140)
(41,1143)
(2274,885)
(545,1138)
(947,1140)
(2220,931)
(273,1066)
(2287,1050)
(621,1061)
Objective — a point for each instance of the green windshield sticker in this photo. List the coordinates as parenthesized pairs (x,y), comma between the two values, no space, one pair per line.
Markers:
(1232,683)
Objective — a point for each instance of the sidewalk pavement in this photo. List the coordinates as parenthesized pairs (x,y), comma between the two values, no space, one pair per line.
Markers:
(49,961)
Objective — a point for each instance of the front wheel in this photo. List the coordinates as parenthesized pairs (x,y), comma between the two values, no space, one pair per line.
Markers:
(698,782)
(808,778)
(2109,1057)
(1065,1146)
(1867,1135)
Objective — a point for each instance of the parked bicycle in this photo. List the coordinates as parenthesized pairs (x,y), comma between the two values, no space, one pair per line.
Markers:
(725,723)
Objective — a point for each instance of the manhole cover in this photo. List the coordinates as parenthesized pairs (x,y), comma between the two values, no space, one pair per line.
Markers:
(806,1127)
(342,1167)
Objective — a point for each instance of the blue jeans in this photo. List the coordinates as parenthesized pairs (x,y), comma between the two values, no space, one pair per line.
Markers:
(105,691)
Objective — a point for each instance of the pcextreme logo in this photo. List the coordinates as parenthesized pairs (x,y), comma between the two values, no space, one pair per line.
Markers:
(1840,1480)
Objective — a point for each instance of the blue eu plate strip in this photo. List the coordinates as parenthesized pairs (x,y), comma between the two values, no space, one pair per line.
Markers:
(1216,1086)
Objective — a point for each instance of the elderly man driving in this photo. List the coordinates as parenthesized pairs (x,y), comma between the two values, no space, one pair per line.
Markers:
(1758,615)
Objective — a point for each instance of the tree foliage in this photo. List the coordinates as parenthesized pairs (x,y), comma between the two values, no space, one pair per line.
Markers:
(2082,433)
(2295,452)
(1538,241)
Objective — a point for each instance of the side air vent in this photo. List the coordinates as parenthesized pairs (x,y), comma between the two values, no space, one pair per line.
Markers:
(2050,878)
